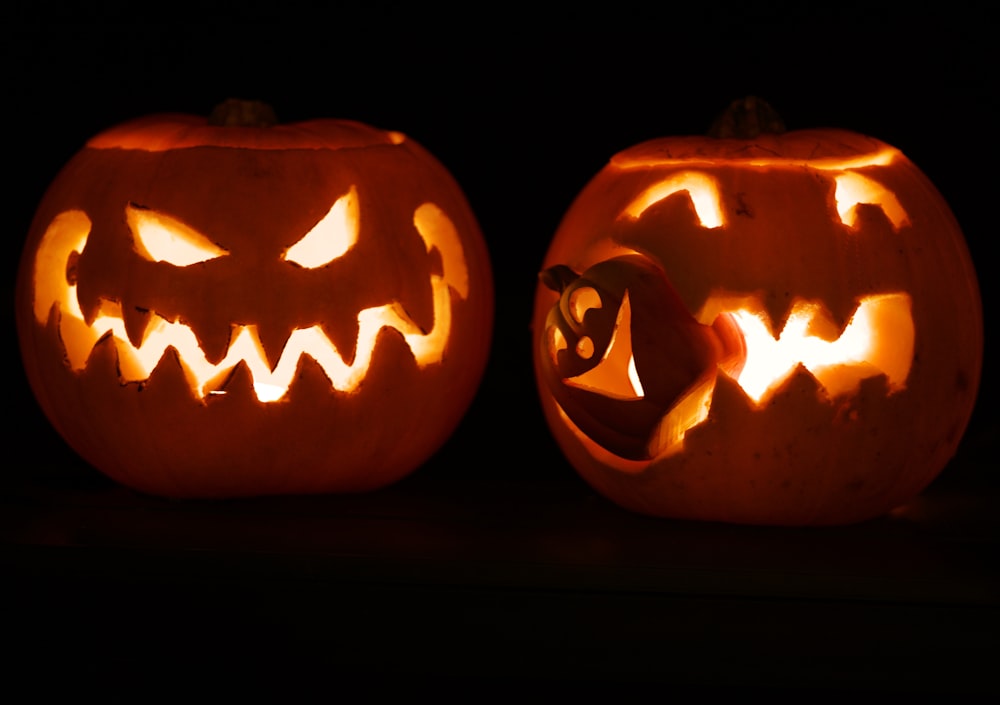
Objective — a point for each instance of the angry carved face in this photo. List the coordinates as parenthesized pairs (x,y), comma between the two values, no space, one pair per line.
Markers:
(250,305)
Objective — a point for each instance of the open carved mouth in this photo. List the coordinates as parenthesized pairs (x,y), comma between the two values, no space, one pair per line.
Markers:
(606,373)
(157,237)
(878,340)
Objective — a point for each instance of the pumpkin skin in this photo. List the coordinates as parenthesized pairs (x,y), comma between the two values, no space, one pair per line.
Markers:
(809,235)
(225,410)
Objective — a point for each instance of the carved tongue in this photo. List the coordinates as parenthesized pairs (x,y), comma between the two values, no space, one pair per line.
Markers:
(657,343)
(672,349)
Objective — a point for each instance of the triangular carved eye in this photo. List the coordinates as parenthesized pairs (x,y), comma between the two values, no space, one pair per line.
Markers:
(700,188)
(160,238)
(330,238)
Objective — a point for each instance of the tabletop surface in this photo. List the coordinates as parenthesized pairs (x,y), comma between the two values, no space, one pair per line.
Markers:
(453,576)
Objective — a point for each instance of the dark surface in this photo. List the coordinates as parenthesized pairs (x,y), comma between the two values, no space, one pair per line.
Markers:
(442,582)
(494,572)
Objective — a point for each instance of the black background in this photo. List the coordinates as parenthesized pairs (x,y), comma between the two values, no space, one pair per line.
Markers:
(523,111)
(522,117)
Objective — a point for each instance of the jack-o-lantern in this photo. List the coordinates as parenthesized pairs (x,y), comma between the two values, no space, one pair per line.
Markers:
(771,328)
(232,307)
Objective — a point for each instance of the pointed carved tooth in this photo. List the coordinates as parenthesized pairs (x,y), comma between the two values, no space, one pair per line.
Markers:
(823,326)
(829,320)
(90,303)
(136,320)
(273,339)
(214,341)
(309,383)
(344,338)
(235,386)
(777,312)
(839,314)
(169,380)
(823,322)
(102,362)
(800,384)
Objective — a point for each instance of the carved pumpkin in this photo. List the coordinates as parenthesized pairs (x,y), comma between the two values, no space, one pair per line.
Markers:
(232,307)
(782,328)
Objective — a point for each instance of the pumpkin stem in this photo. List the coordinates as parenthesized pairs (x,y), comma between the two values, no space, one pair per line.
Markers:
(746,118)
(235,112)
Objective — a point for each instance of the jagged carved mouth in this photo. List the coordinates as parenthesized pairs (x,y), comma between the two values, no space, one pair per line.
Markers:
(878,340)
(159,238)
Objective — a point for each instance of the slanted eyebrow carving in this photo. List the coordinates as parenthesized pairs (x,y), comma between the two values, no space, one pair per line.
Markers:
(159,237)
(700,188)
(854,189)
(332,237)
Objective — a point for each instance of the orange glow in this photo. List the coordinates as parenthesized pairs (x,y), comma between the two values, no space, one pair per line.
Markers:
(69,231)
(701,188)
(160,238)
(615,374)
(331,237)
(883,157)
(854,189)
(877,340)
(581,300)
(688,412)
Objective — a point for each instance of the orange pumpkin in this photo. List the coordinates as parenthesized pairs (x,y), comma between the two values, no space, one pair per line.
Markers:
(769,328)
(234,307)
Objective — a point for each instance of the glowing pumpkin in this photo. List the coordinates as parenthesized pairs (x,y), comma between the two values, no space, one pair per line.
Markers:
(782,328)
(234,307)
